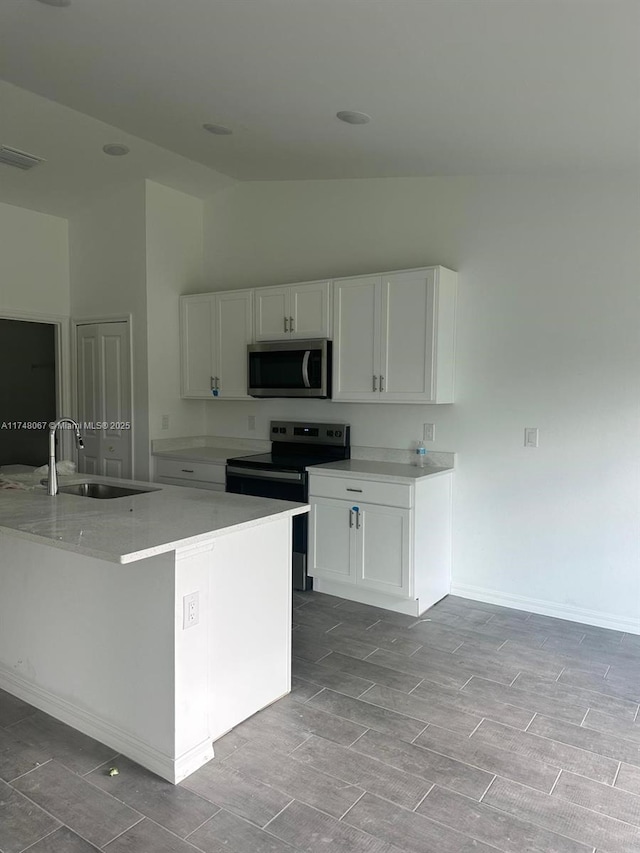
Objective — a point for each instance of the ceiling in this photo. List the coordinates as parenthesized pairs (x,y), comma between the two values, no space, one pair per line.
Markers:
(454,87)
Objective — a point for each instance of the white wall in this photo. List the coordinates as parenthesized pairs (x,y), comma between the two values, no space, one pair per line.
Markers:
(108,278)
(34,262)
(174,266)
(547,337)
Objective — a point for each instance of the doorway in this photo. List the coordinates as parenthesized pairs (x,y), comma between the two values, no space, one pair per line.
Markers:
(28,390)
(104,397)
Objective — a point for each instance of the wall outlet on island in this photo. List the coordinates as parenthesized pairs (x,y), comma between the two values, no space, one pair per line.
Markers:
(191,610)
(251,422)
(429,432)
(164,422)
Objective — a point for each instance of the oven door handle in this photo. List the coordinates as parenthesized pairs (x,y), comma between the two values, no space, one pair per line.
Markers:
(264,475)
(305,369)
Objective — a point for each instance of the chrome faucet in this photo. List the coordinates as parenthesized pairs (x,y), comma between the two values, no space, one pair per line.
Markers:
(52,483)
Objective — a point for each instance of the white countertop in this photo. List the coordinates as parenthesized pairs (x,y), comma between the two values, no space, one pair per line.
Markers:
(126,529)
(217,455)
(366,469)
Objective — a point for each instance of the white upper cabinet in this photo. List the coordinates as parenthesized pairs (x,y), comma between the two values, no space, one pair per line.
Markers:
(394,337)
(356,342)
(215,329)
(293,311)
(196,344)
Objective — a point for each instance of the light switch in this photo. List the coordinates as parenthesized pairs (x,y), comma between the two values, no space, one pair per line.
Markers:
(531,436)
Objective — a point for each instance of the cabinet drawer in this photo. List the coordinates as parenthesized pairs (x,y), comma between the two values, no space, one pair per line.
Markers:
(369,491)
(208,472)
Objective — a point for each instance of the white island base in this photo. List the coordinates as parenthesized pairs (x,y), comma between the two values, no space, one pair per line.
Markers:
(101,645)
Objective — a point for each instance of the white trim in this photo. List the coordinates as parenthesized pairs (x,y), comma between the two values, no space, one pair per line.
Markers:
(548,608)
(90,321)
(172,769)
(353,592)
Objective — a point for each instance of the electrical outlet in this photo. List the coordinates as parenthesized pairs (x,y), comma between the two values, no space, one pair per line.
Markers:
(429,432)
(191,610)
(251,420)
(165,422)
(531,436)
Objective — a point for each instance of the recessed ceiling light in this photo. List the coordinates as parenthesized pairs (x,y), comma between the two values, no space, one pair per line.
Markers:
(353,117)
(115,149)
(56,2)
(218,129)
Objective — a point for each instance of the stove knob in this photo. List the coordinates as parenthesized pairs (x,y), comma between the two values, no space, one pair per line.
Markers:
(330,433)
(338,433)
(274,429)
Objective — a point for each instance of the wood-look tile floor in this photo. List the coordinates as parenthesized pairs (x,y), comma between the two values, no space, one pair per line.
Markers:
(475,728)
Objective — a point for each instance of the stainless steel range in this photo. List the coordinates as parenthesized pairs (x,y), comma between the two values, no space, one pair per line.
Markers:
(281,474)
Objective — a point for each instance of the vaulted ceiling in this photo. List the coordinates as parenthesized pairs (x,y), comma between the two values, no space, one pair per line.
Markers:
(452,86)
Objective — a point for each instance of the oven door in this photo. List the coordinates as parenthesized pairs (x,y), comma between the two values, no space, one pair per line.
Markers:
(289,369)
(283,486)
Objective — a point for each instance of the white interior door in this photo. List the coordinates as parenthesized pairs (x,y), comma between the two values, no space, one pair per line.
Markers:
(104,399)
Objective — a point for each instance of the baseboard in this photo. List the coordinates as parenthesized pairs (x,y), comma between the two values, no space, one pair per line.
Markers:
(548,608)
(351,592)
(172,769)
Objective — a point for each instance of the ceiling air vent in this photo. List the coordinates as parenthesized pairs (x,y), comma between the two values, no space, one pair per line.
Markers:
(13,157)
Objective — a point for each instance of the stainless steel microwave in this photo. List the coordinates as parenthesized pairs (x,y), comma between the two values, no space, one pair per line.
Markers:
(289,369)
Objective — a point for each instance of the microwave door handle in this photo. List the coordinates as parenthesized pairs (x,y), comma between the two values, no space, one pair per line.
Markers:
(305,369)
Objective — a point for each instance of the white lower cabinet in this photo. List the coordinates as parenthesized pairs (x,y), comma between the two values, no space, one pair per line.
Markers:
(394,553)
(186,472)
(383,549)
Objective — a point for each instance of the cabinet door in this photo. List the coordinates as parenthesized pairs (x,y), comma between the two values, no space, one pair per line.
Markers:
(407,358)
(356,336)
(196,342)
(309,310)
(233,331)
(272,310)
(383,549)
(332,540)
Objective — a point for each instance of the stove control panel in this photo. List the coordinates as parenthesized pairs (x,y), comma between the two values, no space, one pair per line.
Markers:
(311,432)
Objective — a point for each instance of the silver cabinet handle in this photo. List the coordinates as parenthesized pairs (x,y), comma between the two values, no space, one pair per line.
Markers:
(187,470)
(375,383)
(353,490)
(350,518)
(285,324)
(213,383)
(291,324)
(382,383)
(357,519)
(217,381)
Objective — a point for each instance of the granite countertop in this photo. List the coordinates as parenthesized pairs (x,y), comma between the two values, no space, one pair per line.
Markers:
(217,455)
(366,469)
(127,529)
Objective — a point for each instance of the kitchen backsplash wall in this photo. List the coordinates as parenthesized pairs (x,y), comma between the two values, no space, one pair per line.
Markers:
(376,426)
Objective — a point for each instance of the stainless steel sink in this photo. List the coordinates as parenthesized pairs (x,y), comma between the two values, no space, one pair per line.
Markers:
(103,491)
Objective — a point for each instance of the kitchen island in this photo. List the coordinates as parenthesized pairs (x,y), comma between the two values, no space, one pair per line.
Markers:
(154,622)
